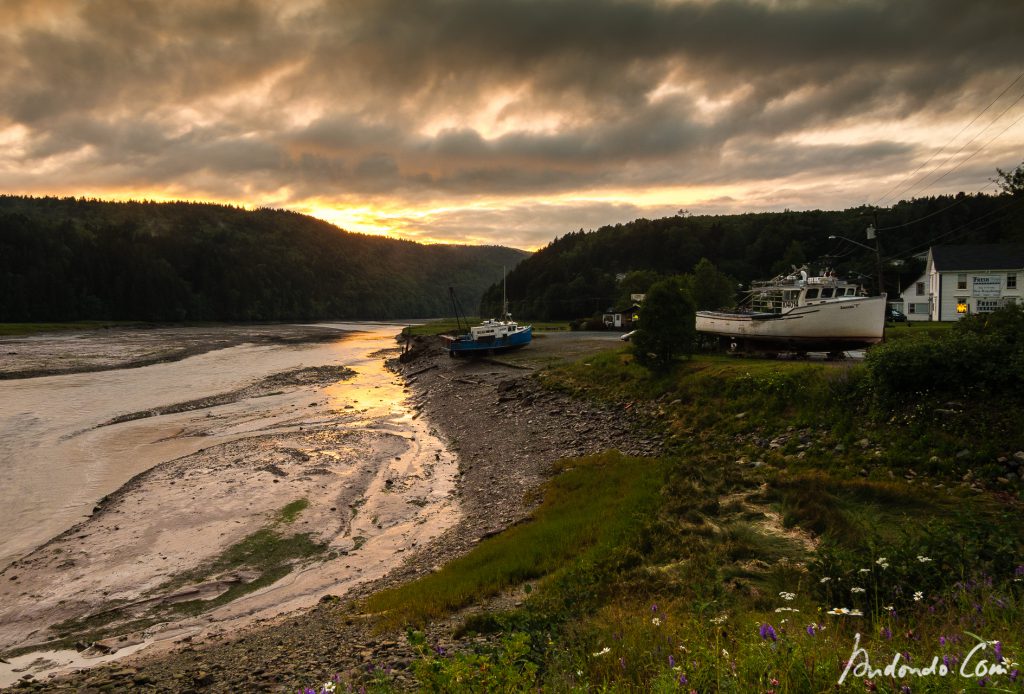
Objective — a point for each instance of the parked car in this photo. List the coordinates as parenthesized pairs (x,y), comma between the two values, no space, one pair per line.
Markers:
(894,316)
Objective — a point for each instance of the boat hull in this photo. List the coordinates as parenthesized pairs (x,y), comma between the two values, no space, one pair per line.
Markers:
(466,345)
(827,326)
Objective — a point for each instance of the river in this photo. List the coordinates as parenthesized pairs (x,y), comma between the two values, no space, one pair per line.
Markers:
(59,456)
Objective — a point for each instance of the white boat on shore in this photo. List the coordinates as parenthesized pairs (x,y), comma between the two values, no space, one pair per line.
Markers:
(798,313)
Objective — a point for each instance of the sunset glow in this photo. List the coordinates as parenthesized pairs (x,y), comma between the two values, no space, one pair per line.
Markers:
(509,123)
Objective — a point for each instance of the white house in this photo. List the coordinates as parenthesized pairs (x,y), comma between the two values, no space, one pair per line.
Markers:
(971,278)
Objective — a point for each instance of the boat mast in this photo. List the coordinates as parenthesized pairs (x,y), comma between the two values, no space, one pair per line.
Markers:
(504,300)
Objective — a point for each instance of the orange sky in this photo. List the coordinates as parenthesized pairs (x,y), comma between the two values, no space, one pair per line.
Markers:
(486,122)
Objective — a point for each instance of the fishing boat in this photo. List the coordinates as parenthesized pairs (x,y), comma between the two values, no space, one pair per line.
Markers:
(799,313)
(491,335)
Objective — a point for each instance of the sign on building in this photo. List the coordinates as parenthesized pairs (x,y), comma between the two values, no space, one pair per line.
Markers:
(987,286)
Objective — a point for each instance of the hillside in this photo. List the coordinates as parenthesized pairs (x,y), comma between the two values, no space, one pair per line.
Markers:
(575,275)
(73,259)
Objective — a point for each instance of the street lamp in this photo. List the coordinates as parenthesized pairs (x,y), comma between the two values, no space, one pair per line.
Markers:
(878,254)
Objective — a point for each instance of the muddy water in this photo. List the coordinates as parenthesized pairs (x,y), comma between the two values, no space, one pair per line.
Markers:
(55,464)
(342,444)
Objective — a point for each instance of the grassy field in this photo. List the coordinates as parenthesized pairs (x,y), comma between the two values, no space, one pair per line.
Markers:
(788,514)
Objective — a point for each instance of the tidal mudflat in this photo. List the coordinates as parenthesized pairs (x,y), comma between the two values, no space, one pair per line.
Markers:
(193,496)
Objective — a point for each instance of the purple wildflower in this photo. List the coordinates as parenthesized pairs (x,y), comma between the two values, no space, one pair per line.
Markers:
(811,631)
(682,679)
(998,648)
(1014,674)
(671,661)
(654,608)
(1019,571)
(904,689)
(887,633)
(622,663)
(942,640)
(768,632)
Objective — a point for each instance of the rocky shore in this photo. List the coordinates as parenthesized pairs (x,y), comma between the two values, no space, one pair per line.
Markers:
(506,431)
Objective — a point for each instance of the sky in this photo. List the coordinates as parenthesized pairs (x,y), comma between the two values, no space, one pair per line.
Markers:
(509,122)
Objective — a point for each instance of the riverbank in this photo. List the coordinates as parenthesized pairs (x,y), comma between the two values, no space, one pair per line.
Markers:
(104,348)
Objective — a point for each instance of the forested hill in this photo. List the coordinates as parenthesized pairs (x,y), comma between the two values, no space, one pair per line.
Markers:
(70,259)
(576,275)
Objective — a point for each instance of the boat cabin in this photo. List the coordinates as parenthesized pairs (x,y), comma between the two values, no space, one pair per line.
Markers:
(790,291)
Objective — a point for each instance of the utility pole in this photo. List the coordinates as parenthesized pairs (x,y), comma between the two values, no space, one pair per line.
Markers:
(873,234)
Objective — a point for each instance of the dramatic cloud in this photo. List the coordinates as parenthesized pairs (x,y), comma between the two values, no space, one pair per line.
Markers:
(508,121)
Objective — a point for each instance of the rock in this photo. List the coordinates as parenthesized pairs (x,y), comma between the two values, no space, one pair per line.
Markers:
(1019,456)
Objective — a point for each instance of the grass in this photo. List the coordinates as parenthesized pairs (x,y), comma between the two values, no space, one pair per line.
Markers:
(590,506)
(778,478)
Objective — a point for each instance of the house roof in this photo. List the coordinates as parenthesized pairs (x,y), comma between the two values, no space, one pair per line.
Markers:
(989,256)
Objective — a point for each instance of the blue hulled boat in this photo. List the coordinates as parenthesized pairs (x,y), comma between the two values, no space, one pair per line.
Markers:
(490,336)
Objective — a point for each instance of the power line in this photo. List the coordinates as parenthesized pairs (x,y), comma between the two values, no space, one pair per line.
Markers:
(952,139)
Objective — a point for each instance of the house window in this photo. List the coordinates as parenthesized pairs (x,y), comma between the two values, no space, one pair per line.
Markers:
(961,280)
(987,305)
(920,289)
(1011,280)
(961,304)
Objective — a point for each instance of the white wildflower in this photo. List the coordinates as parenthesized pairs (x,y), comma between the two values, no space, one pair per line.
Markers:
(923,559)
(786,609)
(826,579)
(918,596)
(787,596)
(856,589)
(601,652)
(656,621)
(864,571)
(883,562)
(720,619)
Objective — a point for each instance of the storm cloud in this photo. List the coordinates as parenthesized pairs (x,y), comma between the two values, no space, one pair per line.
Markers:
(505,122)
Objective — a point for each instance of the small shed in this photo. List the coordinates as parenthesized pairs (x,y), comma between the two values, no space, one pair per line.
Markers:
(624,318)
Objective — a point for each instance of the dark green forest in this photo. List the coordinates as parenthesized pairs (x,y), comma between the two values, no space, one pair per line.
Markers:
(74,259)
(579,274)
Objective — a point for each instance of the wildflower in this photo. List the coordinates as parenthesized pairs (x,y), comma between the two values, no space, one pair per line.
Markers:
(997,646)
(881,561)
(918,596)
(720,619)
(856,589)
(856,613)
(1014,674)
(787,596)
(864,571)
(870,686)
(601,652)
(812,629)
(654,608)
(622,663)
(329,687)
(904,689)
(725,653)
(786,609)
(579,673)
(886,633)
(768,632)
(656,621)
(887,608)
(671,661)
(923,559)
(682,679)
(826,579)
(774,682)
